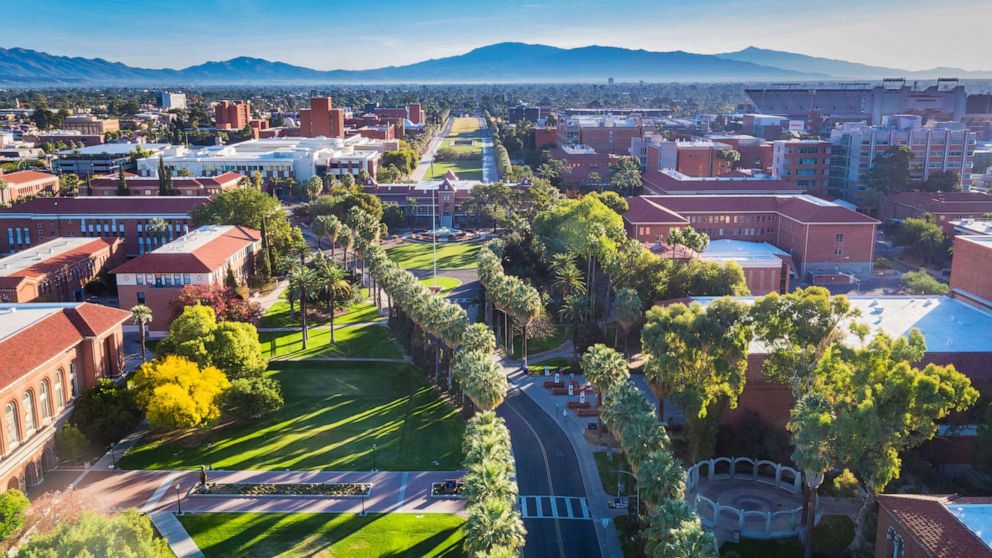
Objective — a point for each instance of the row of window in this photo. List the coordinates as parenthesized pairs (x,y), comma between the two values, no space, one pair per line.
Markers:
(23,424)
(163,279)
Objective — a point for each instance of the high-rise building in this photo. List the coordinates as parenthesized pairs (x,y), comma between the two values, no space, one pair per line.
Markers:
(322,119)
(805,163)
(232,115)
(169,100)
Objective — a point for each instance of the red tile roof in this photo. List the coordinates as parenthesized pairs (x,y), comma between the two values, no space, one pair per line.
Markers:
(151,205)
(49,337)
(944,202)
(69,257)
(933,526)
(24,177)
(667,184)
(136,181)
(643,210)
(207,258)
(801,208)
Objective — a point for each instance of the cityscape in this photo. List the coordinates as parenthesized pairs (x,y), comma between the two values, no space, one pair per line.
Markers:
(508,280)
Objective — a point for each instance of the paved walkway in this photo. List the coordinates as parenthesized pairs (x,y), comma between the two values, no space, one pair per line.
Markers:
(428,157)
(168,525)
(322,326)
(489,171)
(341,359)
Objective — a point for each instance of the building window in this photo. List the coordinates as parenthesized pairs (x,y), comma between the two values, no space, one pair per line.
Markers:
(46,412)
(73,381)
(29,424)
(59,391)
(839,237)
(13,429)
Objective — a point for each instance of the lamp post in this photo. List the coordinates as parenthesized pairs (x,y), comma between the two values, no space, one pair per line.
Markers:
(363,503)
(179,503)
(113,454)
(622,472)
(374,470)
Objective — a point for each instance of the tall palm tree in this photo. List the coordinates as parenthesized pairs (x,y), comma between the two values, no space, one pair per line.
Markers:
(674,531)
(568,281)
(346,240)
(526,306)
(628,312)
(493,523)
(483,380)
(573,311)
(660,477)
(3,191)
(324,225)
(304,281)
(331,282)
(141,315)
(488,479)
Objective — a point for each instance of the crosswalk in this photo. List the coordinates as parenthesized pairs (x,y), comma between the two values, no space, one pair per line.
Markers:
(554,507)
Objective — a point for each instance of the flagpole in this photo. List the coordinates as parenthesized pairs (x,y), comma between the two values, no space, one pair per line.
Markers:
(434,231)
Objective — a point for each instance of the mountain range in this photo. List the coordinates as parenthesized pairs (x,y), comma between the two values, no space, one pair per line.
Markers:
(501,62)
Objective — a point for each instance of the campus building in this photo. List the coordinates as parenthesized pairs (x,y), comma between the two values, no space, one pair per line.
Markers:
(827,242)
(201,257)
(670,181)
(142,222)
(208,186)
(282,157)
(57,270)
(169,100)
(606,134)
(971,269)
(803,163)
(932,526)
(583,161)
(442,200)
(699,158)
(941,147)
(321,119)
(28,183)
(944,207)
(102,159)
(88,124)
(51,353)
(230,115)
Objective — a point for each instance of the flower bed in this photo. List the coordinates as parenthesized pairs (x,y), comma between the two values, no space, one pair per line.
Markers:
(286,489)
(447,489)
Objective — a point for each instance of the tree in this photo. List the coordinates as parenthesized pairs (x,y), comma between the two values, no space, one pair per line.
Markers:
(405,160)
(689,237)
(227,303)
(942,181)
(330,281)
(488,479)
(568,280)
(525,307)
(4,188)
(70,442)
(491,201)
(141,315)
(234,349)
(127,534)
(328,226)
(122,189)
(921,282)
(247,207)
(810,427)
(625,176)
(629,311)
(699,357)
(304,281)
(492,524)
(889,171)
(877,404)
(613,200)
(230,279)
(252,398)
(13,510)
(106,412)
(674,531)
(176,393)
(922,238)
(314,186)
(165,187)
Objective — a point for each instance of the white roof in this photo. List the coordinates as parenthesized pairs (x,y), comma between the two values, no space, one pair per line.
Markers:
(949,325)
(746,254)
(17,317)
(36,254)
(114,148)
(193,240)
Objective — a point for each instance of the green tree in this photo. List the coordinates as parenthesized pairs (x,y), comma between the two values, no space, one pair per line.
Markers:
(674,531)
(304,281)
(890,170)
(122,189)
(165,187)
(942,181)
(921,282)
(689,237)
(629,311)
(106,412)
(234,349)
(922,238)
(230,279)
(314,186)
(127,534)
(330,282)
(699,357)
(625,176)
(13,510)
(613,200)
(252,398)
(141,315)
(247,207)
(492,524)
(70,442)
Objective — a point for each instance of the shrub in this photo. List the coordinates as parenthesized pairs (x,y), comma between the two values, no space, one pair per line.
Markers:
(106,412)
(176,393)
(125,535)
(70,442)
(13,505)
(845,485)
(920,282)
(250,398)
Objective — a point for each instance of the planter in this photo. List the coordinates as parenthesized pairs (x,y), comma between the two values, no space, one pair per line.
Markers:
(447,489)
(306,490)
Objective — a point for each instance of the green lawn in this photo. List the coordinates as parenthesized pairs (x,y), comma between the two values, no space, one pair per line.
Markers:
(608,474)
(467,169)
(225,535)
(535,346)
(446,283)
(555,362)
(279,314)
(333,414)
(830,539)
(356,342)
(421,256)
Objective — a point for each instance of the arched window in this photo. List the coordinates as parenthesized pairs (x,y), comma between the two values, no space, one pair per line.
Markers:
(43,397)
(28,404)
(59,391)
(73,386)
(13,429)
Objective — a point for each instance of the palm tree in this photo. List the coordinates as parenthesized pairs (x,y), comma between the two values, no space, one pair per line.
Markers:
(568,280)
(3,191)
(674,531)
(526,306)
(321,227)
(573,311)
(346,240)
(330,280)
(141,315)
(488,479)
(628,313)
(491,524)
(660,477)
(303,280)
(483,380)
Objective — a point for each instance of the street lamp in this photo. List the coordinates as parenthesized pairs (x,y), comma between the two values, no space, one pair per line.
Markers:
(113,453)
(179,503)
(363,503)
(374,470)
(622,472)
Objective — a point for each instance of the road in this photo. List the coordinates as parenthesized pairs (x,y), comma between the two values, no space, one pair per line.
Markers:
(425,161)
(489,171)
(550,483)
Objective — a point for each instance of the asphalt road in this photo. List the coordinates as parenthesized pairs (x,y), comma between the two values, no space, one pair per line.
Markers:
(547,466)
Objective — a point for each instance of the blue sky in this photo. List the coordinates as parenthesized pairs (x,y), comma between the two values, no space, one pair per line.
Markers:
(911,34)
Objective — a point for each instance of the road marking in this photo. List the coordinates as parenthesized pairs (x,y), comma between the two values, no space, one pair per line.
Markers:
(552,501)
(403,488)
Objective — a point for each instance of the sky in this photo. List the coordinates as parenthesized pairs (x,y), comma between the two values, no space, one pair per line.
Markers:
(338,34)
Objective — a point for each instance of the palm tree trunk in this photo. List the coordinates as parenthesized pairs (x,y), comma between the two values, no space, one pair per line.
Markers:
(523,344)
(141,331)
(332,249)
(331,305)
(811,514)
(303,318)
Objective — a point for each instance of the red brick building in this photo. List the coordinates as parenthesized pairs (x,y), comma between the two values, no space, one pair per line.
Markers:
(208,186)
(545,137)
(672,182)
(27,183)
(583,161)
(944,206)
(604,133)
(132,218)
(803,163)
(202,257)
(321,119)
(931,526)
(753,152)
(971,269)
(57,270)
(51,353)
(232,115)
(822,237)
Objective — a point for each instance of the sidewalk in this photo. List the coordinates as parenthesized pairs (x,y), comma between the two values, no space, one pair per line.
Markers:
(574,428)
(182,545)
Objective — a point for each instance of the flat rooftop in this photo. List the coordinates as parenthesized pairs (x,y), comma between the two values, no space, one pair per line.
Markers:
(21,263)
(195,239)
(746,254)
(17,317)
(113,149)
(949,325)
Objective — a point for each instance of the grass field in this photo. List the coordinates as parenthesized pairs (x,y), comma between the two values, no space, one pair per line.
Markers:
(446,283)
(356,342)
(466,170)
(535,346)
(469,169)
(333,414)
(326,535)
(449,256)
(608,474)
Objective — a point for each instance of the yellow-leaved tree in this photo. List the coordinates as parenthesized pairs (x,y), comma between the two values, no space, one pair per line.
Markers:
(177,393)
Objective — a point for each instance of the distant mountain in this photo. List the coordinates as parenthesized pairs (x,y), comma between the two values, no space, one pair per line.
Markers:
(841,69)
(502,62)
